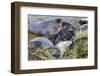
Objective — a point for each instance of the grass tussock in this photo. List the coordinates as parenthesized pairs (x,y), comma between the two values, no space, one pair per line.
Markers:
(80,34)
(80,50)
(41,54)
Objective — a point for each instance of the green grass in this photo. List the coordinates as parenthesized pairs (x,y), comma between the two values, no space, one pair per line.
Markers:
(81,34)
(41,54)
(80,50)
(31,36)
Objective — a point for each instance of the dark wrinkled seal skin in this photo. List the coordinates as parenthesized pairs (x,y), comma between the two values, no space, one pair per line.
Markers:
(66,33)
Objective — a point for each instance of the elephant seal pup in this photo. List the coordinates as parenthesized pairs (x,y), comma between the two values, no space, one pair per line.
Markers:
(43,42)
(40,42)
(45,28)
(66,33)
(62,46)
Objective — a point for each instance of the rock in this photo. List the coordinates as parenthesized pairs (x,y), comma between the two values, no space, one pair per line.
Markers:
(45,28)
(82,22)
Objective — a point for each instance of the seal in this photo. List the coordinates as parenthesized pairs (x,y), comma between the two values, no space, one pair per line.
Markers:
(39,42)
(45,43)
(66,33)
(45,28)
(62,46)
